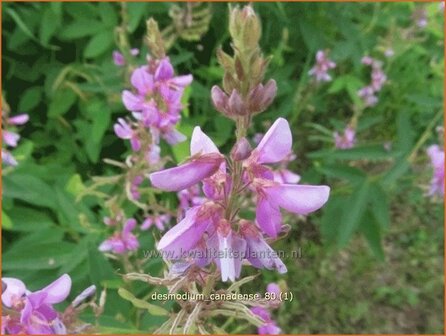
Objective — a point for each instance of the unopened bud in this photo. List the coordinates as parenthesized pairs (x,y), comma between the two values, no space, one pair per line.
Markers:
(241,150)
(219,99)
(87,293)
(244,27)
(261,97)
(235,104)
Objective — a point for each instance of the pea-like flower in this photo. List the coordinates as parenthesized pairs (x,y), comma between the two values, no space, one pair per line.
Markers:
(213,225)
(323,65)
(436,155)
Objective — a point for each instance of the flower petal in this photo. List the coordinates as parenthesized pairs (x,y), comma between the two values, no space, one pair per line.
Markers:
(132,102)
(276,144)
(300,199)
(185,235)
(19,119)
(14,288)
(268,217)
(200,143)
(142,80)
(164,70)
(58,290)
(182,81)
(188,174)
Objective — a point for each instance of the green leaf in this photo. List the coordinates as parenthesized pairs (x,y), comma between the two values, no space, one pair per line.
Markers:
(99,44)
(29,189)
(6,221)
(372,233)
(353,213)
(405,133)
(26,219)
(151,308)
(30,98)
(49,25)
(100,268)
(41,255)
(136,11)
(81,28)
(370,152)
(398,169)
(62,101)
(108,15)
(380,205)
(74,185)
(345,172)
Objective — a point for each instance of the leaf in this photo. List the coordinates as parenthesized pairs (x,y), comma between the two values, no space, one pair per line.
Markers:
(6,221)
(62,101)
(400,168)
(380,205)
(99,44)
(136,11)
(81,28)
(345,172)
(405,133)
(49,25)
(29,189)
(372,232)
(353,213)
(74,185)
(28,220)
(30,98)
(370,152)
(41,255)
(100,268)
(151,308)
(108,15)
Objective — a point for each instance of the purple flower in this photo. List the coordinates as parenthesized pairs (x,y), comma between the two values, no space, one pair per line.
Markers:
(36,312)
(378,79)
(8,159)
(204,226)
(10,138)
(347,140)
(269,327)
(205,160)
(320,70)
(436,155)
(157,100)
(159,221)
(124,131)
(18,119)
(121,242)
(119,59)
(258,252)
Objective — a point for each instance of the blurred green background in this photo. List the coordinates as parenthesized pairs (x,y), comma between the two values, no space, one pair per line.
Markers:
(375,269)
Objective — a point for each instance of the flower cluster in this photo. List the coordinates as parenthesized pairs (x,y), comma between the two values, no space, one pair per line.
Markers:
(121,241)
(436,155)
(378,78)
(10,137)
(26,312)
(119,59)
(323,64)
(346,140)
(269,327)
(212,231)
(155,104)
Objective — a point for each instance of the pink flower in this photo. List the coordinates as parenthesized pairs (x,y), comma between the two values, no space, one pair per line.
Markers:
(36,312)
(121,242)
(347,140)
(205,160)
(274,147)
(18,119)
(124,131)
(119,59)
(378,79)
(159,221)
(320,70)
(436,155)
(269,327)
(8,159)
(204,226)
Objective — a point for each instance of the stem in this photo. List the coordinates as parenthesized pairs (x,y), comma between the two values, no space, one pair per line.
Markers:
(424,137)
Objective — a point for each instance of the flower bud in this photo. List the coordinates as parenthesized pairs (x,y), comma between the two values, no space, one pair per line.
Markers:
(241,150)
(244,27)
(219,99)
(87,293)
(235,104)
(262,96)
